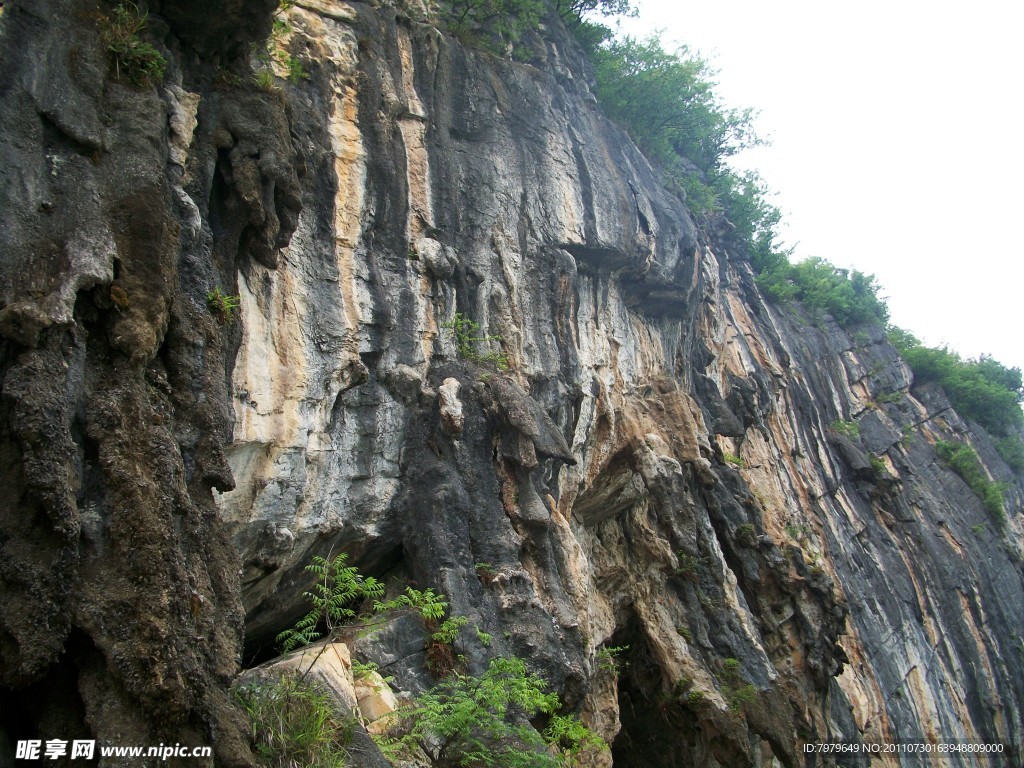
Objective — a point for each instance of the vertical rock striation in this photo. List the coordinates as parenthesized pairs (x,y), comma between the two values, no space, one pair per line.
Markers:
(666,467)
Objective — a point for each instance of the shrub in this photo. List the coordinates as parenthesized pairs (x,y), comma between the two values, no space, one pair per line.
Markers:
(965,462)
(607,658)
(222,306)
(136,61)
(849,429)
(264,79)
(296,69)
(878,465)
(441,656)
(274,49)
(736,690)
(294,723)
(361,670)
(696,699)
(667,102)
(574,11)
(339,588)
(1011,448)
(746,535)
(733,459)
(689,566)
(486,572)
(494,25)
(431,606)
(983,389)
(499,25)
(467,340)
(849,296)
(449,630)
(480,721)
(796,532)
(484,638)
(701,198)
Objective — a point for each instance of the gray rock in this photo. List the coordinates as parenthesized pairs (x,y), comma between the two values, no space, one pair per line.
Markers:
(352,214)
(452,418)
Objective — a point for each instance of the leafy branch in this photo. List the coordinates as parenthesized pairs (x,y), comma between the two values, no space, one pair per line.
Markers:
(430,605)
(338,587)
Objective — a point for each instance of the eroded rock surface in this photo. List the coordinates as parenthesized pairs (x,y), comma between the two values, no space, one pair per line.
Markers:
(658,470)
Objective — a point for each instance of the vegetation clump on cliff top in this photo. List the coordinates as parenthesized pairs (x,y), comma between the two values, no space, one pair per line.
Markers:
(849,296)
(499,26)
(666,101)
(983,389)
(493,25)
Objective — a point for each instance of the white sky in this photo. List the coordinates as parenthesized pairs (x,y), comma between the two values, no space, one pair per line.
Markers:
(897,144)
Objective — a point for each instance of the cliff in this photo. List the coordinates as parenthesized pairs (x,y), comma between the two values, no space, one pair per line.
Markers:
(668,464)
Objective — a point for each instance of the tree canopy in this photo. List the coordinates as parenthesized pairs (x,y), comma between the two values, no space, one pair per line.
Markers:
(667,102)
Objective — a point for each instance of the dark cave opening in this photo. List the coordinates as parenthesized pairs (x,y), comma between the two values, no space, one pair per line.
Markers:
(656,732)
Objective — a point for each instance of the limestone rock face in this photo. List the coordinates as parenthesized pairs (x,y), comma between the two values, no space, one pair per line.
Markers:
(123,208)
(452,418)
(658,469)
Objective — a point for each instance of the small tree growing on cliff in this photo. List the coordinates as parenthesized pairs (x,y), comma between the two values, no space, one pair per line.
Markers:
(337,588)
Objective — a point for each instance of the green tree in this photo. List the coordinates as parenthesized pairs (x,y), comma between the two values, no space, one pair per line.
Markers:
(494,25)
(1011,448)
(982,389)
(667,103)
(849,296)
(744,198)
(575,11)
